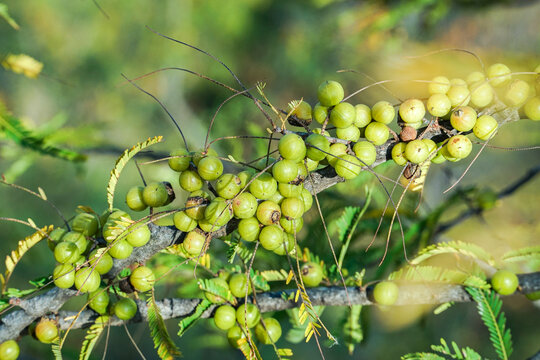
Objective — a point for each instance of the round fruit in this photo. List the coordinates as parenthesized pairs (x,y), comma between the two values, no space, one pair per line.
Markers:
(292,208)
(517,93)
(104,262)
(317,147)
(190,181)
(55,236)
(320,113)
(239,285)
(366,152)
(302,111)
(85,223)
(9,350)
(351,133)
(271,237)
(412,111)
(432,147)
(277,197)
(244,177)
(268,212)
(46,331)
(383,112)
(377,133)
(481,94)
(201,153)
(290,190)
(416,151)
(286,170)
(234,334)
(398,153)
(194,242)
(225,317)
(249,229)
(66,252)
(183,222)
(218,282)
(459,146)
(463,118)
(330,93)
(264,186)
(439,85)
(287,246)
(64,276)
(219,212)
(499,74)
(125,308)
(247,315)
(244,205)
(386,293)
(142,278)
(87,279)
(271,333)
(77,239)
(504,282)
(532,108)
(292,226)
(135,200)
(439,157)
(292,147)
(335,153)
(342,115)
(363,115)
(118,215)
(485,127)
(98,301)
(155,195)
(446,154)
(196,204)
(459,95)
(312,274)
(138,235)
(348,167)
(120,249)
(210,168)
(438,105)
(310,164)
(179,160)
(307,198)
(228,185)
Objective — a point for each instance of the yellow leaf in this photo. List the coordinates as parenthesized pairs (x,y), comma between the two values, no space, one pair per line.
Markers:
(289,278)
(31,222)
(42,193)
(23,64)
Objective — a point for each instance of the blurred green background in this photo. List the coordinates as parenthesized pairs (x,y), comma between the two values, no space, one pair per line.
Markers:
(82,102)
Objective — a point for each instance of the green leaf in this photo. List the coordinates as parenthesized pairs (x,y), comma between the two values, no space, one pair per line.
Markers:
(443,307)
(56,349)
(92,337)
(217,290)
(188,321)
(352,328)
(166,349)
(422,356)
(454,247)
(437,274)
(523,254)
(275,275)
(455,353)
(489,307)
(5,14)
(296,334)
(259,281)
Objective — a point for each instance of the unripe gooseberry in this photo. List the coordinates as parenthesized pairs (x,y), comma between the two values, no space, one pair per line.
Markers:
(125,308)
(120,249)
(475,77)
(292,226)
(270,332)
(55,236)
(292,208)
(138,235)
(438,105)
(532,108)
(481,94)
(268,213)
(363,115)
(263,186)
(234,334)
(179,160)
(247,315)
(342,115)
(85,223)
(285,171)
(307,198)
(210,168)
(439,85)
(244,205)
(225,317)
(330,93)
(66,252)
(271,237)
(385,293)
(135,200)
(287,246)
(99,300)
(317,147)
(245,176)
(292,147)
(194,242)
(142,278)
(64,276)
(87,279)
(320,113)
(77,239)
(366,152)
(504,282)
(239,285)
(228,185)
(517,93)
(459,146)
(190,181)
(485,127)
(219,212)
(398,153)
(101,261)
(155,194)
(335,153)
(183,222)
(383,112)
(377,133)
(459,95)
(416,151)
(311,274)
(9,350)
(302,111)
(348,166)
(46,331)
(412,110)
(249,229)
(499,74)
(201,153)
(463,118)
(350,133)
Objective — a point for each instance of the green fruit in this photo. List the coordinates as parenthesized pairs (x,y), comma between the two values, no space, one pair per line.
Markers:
(330,93)
(78,239)
(225,317)
(532,108)
(475,77)
(485,127)
(194,242)
(247,315)
(263,187)
(463,118)
(377,133)
(245,176)
(366,152)
(312,274)
(156,195)
(190,181)
(196,204)
(125,308)
(249,229)
(336,152)
(219,212)
(398,153)
(432,147)
(55,236)
(309,164)
(504,282)
(285,171)
(239,285)
(271,333)
(385,293)
(291,226)
(459,95)
(292,147)
(268,213)
(416,151)
(120,249)
(234,334)
(244,205)
(217,282)
(302,111)
(138,235)
(499,74)
(183,222)
(98,301)
(342,115)
(290,190)
(459,146)
(104,262)
(481,94)
(9,350)
(142,278)
(201,153)
(320,113)
(317,147)
(87,280)
(277,197)
(135,200)
(438,105)
(228,185)
(348,167)
(446,154)
(64,276)
(351,133)
(66,252)
(271,237)
(85,223)
(287,246)
(307,198)
(179,160)
(46,331)
(383,112)
(363,115)
(292,208)
(439,85)
(210,168)
(517,93)
(439,157)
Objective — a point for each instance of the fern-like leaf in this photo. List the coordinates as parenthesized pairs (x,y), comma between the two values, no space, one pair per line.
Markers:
(422,356)
(275,275)
(250,352)
(454,247)
(56,349)
(217,290)
(92,337)
(437,274)
(166,349)
(523,254)
(489,307)
(188,321)
(455,353)
(352,328)
(121,162)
